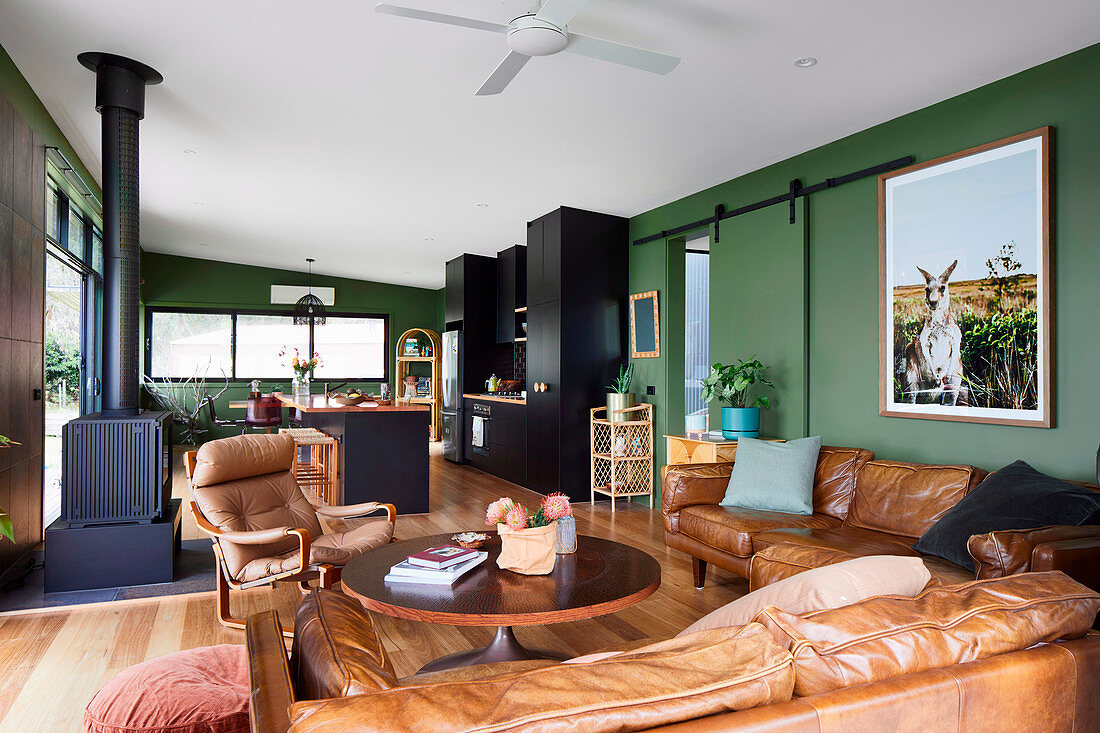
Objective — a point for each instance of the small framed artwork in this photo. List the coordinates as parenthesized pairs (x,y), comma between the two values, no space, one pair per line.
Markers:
(645,326)
(965,307)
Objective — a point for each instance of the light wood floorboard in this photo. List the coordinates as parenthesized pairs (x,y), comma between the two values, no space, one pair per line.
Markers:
(52,662)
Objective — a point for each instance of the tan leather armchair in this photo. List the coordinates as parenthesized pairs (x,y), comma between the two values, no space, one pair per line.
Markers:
(244,495)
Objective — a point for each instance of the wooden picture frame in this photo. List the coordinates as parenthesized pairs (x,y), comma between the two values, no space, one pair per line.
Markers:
(644,309)
(979,221)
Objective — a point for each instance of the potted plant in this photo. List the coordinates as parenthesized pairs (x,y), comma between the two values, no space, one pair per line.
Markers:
(619,396)
(739,385)
(528,544)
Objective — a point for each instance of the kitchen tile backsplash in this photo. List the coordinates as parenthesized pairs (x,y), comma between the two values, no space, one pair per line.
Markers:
(519,362)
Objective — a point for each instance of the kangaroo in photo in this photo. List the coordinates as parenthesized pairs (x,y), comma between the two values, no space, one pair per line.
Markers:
(933,359)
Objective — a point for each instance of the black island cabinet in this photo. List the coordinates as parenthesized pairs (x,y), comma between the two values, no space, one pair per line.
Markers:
(576,339)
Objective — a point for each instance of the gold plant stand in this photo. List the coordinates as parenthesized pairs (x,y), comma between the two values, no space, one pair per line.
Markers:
(622,453)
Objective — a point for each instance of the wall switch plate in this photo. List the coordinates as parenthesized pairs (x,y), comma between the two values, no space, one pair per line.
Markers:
(651,389)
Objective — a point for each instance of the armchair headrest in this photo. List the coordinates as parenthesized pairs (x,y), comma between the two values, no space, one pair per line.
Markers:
(242,456)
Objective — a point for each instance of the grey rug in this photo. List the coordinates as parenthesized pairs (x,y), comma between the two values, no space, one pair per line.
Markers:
(194,573)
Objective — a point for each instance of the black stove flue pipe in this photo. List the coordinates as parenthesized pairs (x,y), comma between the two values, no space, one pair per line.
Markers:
(120,100)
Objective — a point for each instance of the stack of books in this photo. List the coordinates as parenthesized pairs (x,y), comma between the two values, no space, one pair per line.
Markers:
(436,566)
(424,387)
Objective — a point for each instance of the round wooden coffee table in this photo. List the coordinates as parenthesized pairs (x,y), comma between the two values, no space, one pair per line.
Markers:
(600,577)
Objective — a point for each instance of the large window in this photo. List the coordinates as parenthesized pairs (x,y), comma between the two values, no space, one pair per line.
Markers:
(181,343)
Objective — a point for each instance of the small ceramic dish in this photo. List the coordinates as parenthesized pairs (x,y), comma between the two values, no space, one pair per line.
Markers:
(343,399)
(471,540)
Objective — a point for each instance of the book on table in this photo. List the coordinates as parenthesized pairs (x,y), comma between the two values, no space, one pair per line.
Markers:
(441,557)
(406,572)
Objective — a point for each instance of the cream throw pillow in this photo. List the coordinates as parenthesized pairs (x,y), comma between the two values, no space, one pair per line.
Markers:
(831,586)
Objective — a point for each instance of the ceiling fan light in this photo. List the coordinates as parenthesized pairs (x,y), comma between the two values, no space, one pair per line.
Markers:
(533,37)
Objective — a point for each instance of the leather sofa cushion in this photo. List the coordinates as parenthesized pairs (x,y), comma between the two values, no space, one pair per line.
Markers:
(835,478)
(336,650)
(827,586)
(675,680)
(858,542)
(907,498)
(888,636)
(259,502)
(785,552)
(732,528)
(242,456)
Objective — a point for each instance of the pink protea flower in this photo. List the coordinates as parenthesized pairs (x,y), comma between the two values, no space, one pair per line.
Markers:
(516,519)
(498,510)
(555,506)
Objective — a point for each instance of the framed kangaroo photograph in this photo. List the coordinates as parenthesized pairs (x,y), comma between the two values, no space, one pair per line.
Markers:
(965,304)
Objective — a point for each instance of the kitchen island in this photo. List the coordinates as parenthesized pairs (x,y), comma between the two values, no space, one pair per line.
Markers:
(383,453)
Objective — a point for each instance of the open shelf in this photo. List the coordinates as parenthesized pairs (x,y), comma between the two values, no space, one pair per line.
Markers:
(403,368)
(622,454)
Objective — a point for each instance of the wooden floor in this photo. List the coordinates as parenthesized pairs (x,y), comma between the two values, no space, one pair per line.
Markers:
(52,662)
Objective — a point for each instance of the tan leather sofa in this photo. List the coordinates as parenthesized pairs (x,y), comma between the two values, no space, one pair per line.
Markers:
(1007,654)
(862,506)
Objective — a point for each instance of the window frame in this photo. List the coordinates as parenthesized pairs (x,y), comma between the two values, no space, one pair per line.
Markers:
(150,310)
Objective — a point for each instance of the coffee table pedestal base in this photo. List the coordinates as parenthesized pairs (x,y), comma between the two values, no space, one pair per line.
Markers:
(504,648)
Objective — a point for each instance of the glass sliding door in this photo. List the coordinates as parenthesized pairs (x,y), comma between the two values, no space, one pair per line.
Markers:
(696,329)
(63,369)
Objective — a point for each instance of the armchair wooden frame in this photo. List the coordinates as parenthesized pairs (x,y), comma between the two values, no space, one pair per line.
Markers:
(327,575)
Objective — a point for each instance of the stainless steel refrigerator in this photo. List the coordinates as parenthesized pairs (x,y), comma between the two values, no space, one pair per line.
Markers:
(453,417)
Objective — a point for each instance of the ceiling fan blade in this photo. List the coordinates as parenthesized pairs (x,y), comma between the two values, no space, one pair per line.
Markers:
(560,12)
(617,53)
(481,25)
(503,74)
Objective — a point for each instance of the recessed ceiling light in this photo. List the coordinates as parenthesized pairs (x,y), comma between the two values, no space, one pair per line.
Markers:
(203,244)
(199,203)
(188,151)
(805,62)
(483,206)
(429,239)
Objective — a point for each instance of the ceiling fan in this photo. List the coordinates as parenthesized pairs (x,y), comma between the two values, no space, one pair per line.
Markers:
(543,33)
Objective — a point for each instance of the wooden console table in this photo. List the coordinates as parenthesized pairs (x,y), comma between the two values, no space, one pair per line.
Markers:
(681,449)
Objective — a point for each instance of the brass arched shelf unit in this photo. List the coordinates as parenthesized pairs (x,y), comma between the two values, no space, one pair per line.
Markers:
(405,367)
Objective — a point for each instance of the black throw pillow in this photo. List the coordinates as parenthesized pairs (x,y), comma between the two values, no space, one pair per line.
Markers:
(1016,497)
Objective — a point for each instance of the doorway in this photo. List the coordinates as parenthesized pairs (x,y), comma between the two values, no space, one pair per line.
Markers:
(63,370)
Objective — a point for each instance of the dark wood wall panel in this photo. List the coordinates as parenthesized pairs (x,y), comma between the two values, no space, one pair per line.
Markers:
(22,301)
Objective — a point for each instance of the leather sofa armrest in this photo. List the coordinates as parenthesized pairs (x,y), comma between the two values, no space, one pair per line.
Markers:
(692,484)
(271,691)
(1007,552)
(1078,558)
(255,536)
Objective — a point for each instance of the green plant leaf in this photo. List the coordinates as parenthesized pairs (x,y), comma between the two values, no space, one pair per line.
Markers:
(6,528)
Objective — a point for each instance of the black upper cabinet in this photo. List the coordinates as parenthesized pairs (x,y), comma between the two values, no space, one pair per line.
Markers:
(576,339)
(511,292)
(469,304)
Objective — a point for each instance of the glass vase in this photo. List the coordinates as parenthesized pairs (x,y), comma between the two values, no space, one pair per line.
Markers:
(300,386)
(567,535)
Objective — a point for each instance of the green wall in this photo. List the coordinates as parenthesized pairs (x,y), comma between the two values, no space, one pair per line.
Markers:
(840,228)
(30,107)
(169,280)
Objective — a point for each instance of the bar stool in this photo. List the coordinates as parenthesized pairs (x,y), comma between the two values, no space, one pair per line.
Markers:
(318,473)
(263,413)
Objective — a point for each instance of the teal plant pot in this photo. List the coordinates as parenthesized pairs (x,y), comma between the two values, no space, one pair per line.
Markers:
(740,422)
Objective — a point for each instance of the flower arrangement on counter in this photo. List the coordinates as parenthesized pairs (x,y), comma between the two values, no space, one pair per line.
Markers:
(514,516)
(302,367)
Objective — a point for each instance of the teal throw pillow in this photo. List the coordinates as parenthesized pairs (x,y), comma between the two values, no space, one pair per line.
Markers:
(775,477)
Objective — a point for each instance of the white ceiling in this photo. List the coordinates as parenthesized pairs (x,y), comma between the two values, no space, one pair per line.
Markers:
(324,129)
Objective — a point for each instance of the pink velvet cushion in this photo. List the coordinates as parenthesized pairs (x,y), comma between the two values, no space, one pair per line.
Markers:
(203,690)
(824,588)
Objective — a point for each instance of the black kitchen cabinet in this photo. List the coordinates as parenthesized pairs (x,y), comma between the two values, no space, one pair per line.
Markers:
(506,454)
(576,339)
(511,293)
(469,304)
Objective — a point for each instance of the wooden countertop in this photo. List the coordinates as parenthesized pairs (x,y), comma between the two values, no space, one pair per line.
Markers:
(320,403)
(490,398)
